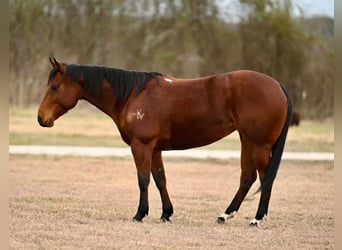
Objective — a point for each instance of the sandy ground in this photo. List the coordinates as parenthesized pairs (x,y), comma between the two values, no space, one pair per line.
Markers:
(87,203)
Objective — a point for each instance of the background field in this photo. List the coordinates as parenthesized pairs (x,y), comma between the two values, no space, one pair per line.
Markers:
(87,203)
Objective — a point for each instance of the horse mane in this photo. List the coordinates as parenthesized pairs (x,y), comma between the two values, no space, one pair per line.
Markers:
(122,81)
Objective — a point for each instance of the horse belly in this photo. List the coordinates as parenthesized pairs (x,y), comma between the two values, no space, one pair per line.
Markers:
(197,134)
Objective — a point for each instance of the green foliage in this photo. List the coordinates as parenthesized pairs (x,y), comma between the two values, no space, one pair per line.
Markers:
(182,38)
(273,43)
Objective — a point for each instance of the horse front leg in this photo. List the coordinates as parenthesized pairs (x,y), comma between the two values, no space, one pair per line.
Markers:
(160,180)
(142,154)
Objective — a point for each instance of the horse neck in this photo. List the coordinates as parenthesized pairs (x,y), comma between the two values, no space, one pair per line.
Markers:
(105,100)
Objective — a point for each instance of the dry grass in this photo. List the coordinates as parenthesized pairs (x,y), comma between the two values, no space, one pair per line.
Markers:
(87,203)
(97,123)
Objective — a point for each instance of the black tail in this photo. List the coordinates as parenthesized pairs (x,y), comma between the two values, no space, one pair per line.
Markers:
(278,148)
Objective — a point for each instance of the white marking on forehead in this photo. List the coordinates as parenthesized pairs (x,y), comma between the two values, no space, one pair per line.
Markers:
(167,79)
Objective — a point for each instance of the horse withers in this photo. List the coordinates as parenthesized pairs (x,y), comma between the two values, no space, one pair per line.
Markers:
(156,112)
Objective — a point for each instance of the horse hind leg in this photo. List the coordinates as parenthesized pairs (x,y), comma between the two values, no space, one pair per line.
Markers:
(158,174)
(261,159)
(247,178)
(263,206)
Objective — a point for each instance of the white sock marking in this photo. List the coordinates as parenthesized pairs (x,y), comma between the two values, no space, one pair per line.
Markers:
(256,222)
(228,216)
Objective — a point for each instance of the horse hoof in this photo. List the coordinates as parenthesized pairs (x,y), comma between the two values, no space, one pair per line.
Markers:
(221,220)
(136,220)
(223,217)
(165,220)
(254,223)
(139,216)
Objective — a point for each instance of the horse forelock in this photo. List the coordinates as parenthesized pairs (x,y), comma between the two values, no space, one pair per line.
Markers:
(122,81)
(53,73)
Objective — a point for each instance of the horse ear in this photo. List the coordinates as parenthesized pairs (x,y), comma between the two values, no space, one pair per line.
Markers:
(60,66)
(52,62)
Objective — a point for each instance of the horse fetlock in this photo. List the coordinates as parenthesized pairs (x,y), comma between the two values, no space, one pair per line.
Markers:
(168,211)
(223,217)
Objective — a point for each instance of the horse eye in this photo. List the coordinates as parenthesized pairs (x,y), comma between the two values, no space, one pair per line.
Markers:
(54,87)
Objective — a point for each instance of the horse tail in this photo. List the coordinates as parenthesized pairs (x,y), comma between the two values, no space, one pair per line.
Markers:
(278,148)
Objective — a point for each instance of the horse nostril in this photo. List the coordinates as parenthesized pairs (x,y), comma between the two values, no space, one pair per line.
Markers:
(40,121)
(46,122)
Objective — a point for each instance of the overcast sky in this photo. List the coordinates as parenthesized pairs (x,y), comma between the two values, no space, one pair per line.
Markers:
(315,7)
(232,9)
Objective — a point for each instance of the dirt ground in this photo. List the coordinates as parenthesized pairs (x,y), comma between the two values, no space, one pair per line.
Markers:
(88,203)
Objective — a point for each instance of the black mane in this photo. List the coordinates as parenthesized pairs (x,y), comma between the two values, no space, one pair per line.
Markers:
(122,81)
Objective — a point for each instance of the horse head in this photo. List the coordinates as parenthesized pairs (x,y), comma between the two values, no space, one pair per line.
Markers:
(62,94)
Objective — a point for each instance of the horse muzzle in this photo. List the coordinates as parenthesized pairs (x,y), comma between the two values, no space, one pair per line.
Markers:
(48,123)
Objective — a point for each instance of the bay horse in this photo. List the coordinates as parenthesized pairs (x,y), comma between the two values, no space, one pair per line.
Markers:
(155,112)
